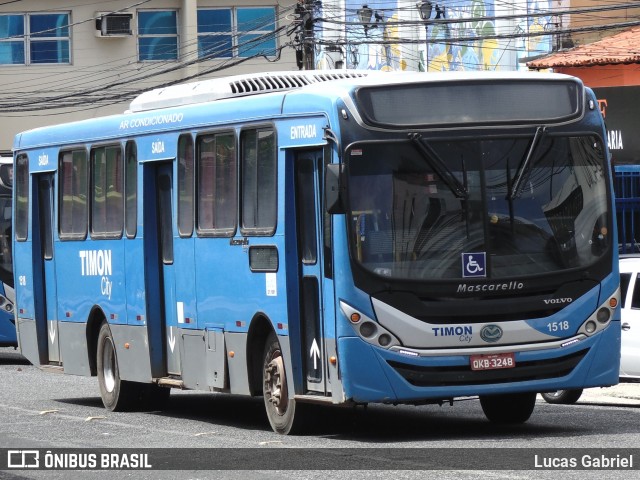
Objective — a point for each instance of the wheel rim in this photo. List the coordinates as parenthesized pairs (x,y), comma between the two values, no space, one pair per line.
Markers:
(555,394)
(275,384)
(109,366)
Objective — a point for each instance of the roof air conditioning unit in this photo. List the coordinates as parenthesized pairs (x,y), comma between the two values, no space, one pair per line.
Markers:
(113,25)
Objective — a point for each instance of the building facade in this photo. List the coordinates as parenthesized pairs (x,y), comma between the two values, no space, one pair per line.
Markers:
(434,35)
(588,14)
(60,63)
(611,67)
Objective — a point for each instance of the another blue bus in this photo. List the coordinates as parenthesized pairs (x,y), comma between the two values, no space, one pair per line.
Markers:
(8,336)
(325,237)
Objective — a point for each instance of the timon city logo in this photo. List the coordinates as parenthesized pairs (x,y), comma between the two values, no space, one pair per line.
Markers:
(97,263)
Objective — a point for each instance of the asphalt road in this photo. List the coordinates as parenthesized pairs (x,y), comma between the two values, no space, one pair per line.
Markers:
(46,411)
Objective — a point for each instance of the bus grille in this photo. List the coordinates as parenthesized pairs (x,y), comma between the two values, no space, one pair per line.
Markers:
(463,375)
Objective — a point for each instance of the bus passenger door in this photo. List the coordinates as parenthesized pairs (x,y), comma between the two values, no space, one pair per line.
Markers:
(160,276)
(165,237)
(43,254)
(310,253)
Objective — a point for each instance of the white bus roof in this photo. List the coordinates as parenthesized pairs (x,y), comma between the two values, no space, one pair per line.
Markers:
(234,86)
(260,83)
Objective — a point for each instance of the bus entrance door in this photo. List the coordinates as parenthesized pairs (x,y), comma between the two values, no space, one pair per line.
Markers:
(46,300)
(310,253)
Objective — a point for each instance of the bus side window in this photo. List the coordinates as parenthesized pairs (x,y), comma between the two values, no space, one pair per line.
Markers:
(216,185)
(185,185)
(107,209)
(22,197)
(131,189)
(259,182)
(73,194)
(326,216)
(306,209)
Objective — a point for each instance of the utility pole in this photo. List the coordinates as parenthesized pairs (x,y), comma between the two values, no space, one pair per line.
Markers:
(304,30)
(308,36)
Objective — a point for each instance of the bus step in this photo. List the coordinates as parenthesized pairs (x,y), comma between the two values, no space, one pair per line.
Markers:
(170,382)
(313,399)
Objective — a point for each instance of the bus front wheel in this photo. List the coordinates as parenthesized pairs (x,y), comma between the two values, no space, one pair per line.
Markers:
(510,408)
(283,412)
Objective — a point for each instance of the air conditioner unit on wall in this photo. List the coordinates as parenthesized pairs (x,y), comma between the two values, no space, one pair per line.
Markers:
(113,25)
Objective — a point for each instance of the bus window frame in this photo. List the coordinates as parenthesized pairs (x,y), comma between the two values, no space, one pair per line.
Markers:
(66,236)
(181,215)
(257,231)
(131,216)
(109,235)
(23,221)
(218,232)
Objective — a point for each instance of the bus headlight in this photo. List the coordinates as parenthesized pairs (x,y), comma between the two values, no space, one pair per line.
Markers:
(368,329)
(6,304)
(603,315)
(601,318)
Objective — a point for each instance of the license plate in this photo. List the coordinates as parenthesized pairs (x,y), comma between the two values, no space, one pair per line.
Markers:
(493,361)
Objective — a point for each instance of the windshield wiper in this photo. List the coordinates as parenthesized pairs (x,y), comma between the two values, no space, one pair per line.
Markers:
(524,164)
(436,163)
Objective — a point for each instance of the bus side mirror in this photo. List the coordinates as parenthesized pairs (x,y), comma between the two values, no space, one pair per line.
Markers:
(333,188)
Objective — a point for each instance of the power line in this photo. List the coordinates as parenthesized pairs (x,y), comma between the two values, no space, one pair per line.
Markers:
(468,39)
(537,13)
(96,94)
(86,97)
(112,68)
(125,85)
(461,37)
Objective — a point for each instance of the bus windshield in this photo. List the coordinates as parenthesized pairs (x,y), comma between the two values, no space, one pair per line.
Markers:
(486,208)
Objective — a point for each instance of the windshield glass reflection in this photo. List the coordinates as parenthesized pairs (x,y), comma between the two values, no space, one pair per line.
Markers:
(407,222)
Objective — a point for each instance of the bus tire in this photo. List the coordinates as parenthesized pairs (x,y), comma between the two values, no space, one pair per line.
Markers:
(117,395)
(562,397)
(285,415)
(509,408)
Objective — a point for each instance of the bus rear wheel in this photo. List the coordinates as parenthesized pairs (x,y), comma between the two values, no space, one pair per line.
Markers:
(117,395)
(510,408)
(283,412)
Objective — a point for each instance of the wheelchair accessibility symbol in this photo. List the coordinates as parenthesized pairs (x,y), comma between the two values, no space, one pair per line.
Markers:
(474,264)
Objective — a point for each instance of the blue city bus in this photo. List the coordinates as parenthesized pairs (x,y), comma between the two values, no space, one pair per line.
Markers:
(8,336)
(327,237)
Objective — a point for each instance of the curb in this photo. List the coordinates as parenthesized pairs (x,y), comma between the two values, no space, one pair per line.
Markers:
(623,393)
